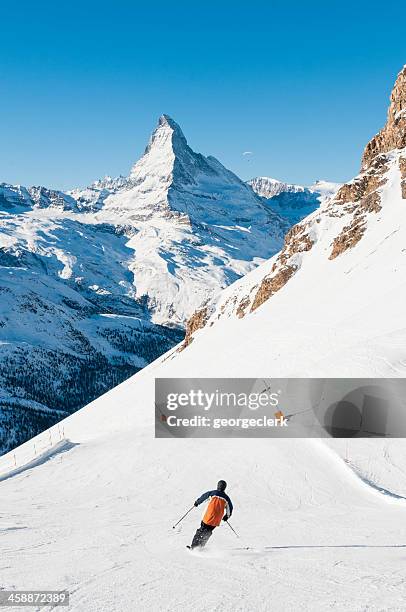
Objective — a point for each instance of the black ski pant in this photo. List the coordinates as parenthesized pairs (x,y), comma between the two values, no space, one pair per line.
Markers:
(202,535)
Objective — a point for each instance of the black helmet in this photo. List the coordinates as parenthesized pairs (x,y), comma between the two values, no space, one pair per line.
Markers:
(221,485)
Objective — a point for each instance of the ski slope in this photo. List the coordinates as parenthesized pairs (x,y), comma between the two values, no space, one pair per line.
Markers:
(95,515)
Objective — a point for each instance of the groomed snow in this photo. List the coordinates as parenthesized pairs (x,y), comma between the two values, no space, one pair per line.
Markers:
(96,518)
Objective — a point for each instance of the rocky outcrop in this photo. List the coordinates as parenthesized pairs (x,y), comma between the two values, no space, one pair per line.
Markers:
(393,135)
(348,238)
(402,166)
(196,321)
(242,307)
(364,197)
(364,184)
(363,193)
(297,241)
(270,285)
(352,233)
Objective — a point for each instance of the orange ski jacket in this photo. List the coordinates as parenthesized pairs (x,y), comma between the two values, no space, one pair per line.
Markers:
(219,504)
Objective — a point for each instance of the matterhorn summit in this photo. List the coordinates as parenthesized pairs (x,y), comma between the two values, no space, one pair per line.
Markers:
(167,141)
(172,182)
(193,225)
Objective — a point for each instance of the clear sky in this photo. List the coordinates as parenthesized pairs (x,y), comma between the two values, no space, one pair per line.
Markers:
(302,85)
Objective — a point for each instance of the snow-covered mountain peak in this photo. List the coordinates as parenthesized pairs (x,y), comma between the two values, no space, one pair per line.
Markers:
(167,155)
(169,161)
(184,210)
(269,187)
(167,124)
(166,136)
(158,159)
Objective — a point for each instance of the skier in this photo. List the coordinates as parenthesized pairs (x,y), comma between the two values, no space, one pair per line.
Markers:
(218,504)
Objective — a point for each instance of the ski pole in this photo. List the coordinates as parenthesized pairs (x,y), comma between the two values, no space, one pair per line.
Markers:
(181,519)
(232,529)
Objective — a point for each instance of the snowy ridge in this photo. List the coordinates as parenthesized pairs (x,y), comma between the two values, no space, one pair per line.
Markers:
(268,187)
(293,201)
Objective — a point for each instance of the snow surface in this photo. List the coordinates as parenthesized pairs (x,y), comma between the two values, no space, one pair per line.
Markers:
(322,523)
(96,517)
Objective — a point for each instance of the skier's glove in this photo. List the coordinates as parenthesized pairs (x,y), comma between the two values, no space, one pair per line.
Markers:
(225,518)
(195,504)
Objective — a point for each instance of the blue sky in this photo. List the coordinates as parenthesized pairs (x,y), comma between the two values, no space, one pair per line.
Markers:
(303,85)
